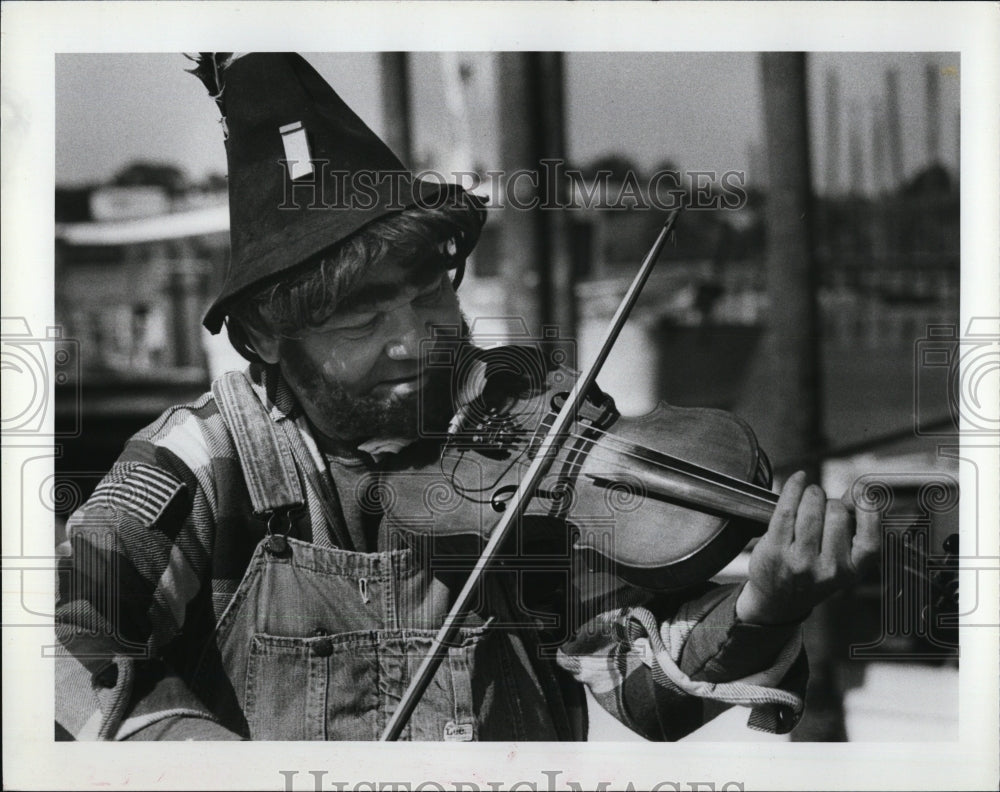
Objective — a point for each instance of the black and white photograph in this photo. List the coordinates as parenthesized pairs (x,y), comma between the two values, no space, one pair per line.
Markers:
(519,374)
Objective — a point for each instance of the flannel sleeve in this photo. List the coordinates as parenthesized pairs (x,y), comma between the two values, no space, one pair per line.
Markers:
(135,558)
(663,665)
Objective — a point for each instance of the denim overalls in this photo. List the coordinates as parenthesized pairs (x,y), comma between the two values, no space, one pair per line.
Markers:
(319,643)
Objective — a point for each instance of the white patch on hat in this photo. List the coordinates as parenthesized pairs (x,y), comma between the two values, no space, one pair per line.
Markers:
(297,155)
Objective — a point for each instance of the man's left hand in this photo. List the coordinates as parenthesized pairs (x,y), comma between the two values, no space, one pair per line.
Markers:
(813,546)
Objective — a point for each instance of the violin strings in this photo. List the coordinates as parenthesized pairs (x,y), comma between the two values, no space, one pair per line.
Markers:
(705,475)
(677,464)
(674,464)
(599,454)
(649,456)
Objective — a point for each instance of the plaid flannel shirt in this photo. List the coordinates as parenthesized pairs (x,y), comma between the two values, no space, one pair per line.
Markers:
(157,552)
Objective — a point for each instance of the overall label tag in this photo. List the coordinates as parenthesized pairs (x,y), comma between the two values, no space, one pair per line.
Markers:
(457,732)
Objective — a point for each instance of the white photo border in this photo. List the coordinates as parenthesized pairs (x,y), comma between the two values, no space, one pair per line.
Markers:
(33,33)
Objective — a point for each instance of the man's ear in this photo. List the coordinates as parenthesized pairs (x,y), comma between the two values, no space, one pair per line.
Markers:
(264,344)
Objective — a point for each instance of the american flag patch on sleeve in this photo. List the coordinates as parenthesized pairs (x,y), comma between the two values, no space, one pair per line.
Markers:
(141,490)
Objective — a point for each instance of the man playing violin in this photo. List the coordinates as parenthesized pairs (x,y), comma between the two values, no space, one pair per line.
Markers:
(232,577)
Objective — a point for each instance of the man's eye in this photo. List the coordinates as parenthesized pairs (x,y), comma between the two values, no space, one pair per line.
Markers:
(362,325)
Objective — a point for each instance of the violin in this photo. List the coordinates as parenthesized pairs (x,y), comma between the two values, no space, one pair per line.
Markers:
(659,520)
(668,498)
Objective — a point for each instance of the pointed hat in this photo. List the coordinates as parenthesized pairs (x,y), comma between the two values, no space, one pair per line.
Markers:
(305,172)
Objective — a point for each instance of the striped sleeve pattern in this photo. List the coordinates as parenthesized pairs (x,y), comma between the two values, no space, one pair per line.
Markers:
(656,665)
(164,533)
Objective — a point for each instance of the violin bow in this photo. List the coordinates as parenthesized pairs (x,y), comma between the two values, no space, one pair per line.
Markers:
(547,452)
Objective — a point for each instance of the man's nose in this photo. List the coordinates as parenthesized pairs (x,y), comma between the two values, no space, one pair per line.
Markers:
(407,330)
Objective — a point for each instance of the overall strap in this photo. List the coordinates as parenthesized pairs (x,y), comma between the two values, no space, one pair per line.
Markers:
(266,460)
(347,536)
(268,455)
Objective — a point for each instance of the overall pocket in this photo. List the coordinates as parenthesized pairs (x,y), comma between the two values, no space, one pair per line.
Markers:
(286,688)
(446,710)
(346,686)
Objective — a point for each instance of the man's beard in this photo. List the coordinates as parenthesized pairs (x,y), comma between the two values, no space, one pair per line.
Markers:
(351,420)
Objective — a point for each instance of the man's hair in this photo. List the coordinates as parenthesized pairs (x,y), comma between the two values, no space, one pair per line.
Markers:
(310,294)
